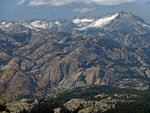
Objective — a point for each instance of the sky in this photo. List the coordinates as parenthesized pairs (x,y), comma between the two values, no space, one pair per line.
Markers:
(15,10)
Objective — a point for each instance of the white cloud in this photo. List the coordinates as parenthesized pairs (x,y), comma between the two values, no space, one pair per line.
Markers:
(21,2)
(110,2)
(83,10)
(65,2)
(50,2)
(37,3)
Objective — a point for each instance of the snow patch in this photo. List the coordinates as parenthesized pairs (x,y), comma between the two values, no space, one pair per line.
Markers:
(103,21)
(144,25)
(85,20)
(28,26)
(3,23)
(40,24)
(57,23)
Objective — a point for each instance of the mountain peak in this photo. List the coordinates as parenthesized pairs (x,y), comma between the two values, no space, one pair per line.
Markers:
(129,16)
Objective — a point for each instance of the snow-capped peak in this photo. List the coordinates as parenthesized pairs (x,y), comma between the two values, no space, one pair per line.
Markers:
(6,24)
(100,22)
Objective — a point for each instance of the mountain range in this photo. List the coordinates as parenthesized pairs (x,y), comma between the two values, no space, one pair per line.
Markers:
(39,58)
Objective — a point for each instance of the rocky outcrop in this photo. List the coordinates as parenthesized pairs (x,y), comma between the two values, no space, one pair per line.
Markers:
(105,103)
(23,104)
(87,106)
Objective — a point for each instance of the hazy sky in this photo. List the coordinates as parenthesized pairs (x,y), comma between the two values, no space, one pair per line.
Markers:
(68,9)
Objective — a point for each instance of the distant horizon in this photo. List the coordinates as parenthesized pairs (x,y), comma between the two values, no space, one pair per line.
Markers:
(49,10)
